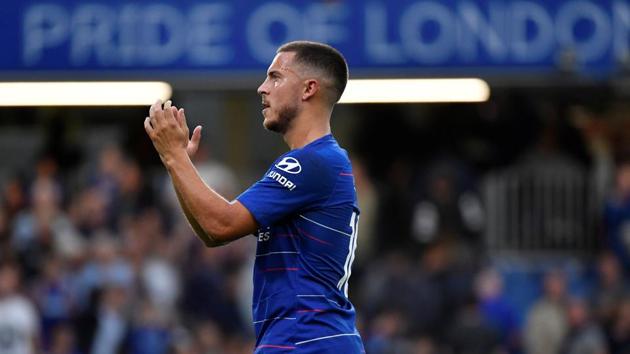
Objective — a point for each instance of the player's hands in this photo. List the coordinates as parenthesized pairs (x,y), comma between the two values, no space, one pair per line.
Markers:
(193,143)
(169,132)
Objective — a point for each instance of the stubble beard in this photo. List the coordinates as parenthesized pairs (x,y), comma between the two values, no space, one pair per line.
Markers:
(286,115)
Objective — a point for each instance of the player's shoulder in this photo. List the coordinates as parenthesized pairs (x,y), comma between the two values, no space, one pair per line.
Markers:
(321,156)
(328,150)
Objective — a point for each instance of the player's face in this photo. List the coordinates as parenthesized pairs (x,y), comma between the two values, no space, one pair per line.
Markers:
(280,93)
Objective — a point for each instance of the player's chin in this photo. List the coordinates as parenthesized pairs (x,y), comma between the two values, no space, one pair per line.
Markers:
(267,119)
(271,125)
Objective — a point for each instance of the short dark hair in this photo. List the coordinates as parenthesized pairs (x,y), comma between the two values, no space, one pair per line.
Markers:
(323,57)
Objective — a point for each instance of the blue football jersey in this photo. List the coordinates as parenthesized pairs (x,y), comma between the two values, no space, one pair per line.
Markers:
(307,213)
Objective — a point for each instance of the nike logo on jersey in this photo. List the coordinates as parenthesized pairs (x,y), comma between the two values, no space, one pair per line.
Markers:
(282,180)
(290,165)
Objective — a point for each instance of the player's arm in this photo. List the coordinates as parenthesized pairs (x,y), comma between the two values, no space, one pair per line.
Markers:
(208,240)
(214,219)
(191,149)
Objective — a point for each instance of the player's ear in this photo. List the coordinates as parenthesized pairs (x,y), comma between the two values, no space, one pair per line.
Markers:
(311,86)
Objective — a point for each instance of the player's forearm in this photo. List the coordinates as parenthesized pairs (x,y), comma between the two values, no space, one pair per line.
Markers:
(207,211)
(208,240)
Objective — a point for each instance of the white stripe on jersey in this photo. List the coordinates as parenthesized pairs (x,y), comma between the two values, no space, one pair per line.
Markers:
(352,244)
(327,337)
(275,318)
(324,226)
(279,252)
(354,250)
(311,295)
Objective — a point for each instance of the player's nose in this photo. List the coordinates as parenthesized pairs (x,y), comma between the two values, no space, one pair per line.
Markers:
(262,89)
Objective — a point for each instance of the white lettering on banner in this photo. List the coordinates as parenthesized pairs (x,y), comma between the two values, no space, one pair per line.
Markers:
(589,49)
(530,50)
(45,26)
(474,29)
(209,34)
(425,32)
(263,47)
(92,35)
(471,22)
(377,45)
(150,35)
(320,22)
(170,20)
(324,22)
(129,29)
(411,23)
(621,22)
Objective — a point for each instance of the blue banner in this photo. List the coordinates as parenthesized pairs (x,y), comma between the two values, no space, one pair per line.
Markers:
(442,37)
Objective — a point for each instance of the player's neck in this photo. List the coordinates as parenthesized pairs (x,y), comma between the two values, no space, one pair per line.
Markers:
(306,130)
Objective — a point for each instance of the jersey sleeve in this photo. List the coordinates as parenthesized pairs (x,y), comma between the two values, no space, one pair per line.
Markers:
(296,181)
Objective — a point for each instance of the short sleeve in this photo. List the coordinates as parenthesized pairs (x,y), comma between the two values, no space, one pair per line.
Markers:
(295,181)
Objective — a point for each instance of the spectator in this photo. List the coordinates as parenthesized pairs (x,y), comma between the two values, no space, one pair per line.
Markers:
(208,338)
(424,345)
(446,205)
(150,332)
(611,289)
(13,197)
(368,203)
(106,265)
(5,241)
(54,297)
(134,194)
(103,179)
(584,335)
(387,334)
(495,308)
(546,324)
(44,228)
(19,328)
(162,284)
(471,333)
(207,277)
(88,211)
(619,335)
(112,321)
(393,286)
(617,216)
(149,252)
(63,341)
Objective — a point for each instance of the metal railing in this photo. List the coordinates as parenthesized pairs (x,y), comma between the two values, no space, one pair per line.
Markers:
(538,211)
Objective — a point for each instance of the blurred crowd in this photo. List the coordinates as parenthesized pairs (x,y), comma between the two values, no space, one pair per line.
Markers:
(98,259)
(447,295)
(435,285)
(103,262)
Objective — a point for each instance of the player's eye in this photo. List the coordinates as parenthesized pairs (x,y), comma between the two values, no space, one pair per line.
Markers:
(275,79)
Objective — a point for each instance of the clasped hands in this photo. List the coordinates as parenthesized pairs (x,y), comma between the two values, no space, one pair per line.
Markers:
(168,130)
